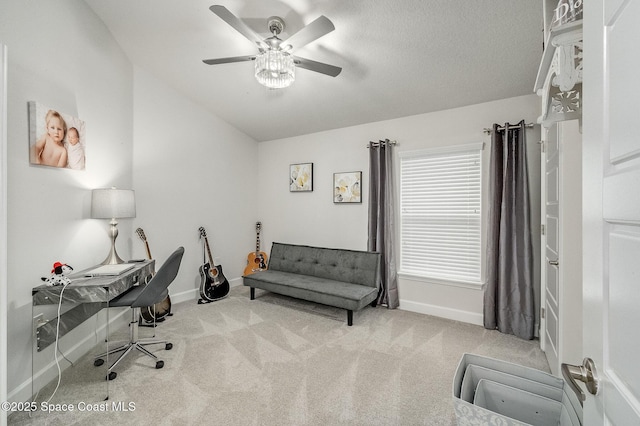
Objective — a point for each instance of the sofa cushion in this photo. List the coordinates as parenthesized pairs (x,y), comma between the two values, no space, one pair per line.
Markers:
(315,289)
(351,266)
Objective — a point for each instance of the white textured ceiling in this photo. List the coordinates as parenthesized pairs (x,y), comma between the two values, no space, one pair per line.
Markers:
(399,57)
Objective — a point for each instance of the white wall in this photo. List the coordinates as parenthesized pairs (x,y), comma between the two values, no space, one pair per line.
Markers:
(312,218)
(62,56)
(192,169)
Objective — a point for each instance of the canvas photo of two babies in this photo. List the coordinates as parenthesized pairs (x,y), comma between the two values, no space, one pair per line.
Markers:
(55,139)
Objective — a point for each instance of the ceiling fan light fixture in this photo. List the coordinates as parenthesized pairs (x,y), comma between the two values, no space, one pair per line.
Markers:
(275,69)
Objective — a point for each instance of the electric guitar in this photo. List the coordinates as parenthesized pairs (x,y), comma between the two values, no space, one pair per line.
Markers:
(256,261)
(159,310)
(213,284)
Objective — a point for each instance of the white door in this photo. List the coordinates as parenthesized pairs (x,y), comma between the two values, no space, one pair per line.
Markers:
(551,291)
(611,214)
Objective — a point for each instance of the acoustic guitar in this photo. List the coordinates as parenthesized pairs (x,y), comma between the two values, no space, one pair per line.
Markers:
(256,261)
(213,284)
(160,310)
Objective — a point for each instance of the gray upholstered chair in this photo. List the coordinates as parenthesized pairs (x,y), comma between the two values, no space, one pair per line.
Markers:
(140,296)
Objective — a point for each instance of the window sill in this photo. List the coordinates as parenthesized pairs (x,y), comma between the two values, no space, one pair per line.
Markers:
(440,281)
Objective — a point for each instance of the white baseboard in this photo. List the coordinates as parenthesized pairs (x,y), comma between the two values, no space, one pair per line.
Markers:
(235,282)
(194,294)
(442,312)
(406,305)
(184,296)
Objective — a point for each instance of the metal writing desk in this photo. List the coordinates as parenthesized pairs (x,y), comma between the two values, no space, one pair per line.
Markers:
(88,294)
(82,299)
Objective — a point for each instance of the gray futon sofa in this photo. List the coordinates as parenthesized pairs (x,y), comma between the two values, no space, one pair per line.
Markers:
(346,279)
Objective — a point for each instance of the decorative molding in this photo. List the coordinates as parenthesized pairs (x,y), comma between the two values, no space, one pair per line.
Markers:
(559,80)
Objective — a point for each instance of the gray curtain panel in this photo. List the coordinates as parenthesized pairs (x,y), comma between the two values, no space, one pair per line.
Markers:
(508,296)
(381,219)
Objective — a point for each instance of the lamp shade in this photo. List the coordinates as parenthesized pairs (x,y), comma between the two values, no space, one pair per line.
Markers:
(112,203)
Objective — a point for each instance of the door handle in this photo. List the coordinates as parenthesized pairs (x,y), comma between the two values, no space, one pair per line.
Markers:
(586,373)
(553,262)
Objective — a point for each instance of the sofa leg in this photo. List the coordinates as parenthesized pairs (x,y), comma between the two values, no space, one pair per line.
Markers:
(374,303)
(253,293)
(349,317)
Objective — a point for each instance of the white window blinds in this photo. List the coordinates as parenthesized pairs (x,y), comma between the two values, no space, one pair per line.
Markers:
(440,198)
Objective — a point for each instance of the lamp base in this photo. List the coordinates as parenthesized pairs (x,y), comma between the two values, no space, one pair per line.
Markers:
(113,258)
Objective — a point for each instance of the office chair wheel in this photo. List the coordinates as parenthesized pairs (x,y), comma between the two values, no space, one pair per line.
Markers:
(159,364)
(98,362)
(168,346)
(112,375)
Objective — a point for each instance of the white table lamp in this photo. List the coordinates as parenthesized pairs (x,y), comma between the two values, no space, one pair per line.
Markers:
(112,203)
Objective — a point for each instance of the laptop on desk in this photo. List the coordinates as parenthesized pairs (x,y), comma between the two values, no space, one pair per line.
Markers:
(109,270)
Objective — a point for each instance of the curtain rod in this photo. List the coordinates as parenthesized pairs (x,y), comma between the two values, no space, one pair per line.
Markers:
(381,142)
(511,126)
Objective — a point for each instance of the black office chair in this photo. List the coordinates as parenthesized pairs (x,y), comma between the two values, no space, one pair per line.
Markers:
(140,296)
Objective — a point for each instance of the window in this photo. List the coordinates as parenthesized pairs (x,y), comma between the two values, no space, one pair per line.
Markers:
(440,199)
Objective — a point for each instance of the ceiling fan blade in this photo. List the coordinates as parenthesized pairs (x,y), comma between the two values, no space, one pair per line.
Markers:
(237,24)
(320,67)
(229,60)
(311,32)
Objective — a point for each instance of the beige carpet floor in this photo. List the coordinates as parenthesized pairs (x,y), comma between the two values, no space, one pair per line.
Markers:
(280,361)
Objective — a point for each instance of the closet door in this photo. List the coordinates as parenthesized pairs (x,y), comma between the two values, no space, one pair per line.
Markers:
(561,328)
(550,264)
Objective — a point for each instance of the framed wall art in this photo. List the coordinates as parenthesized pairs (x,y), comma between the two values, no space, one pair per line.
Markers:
(301,177)
(56,139)
(347,187)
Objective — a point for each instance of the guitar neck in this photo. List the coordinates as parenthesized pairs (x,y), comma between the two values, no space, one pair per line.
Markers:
(206,244)
(143,237)
(258,228)
(146,245)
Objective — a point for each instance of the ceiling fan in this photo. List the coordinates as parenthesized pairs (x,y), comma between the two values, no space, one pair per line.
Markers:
(274,63)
